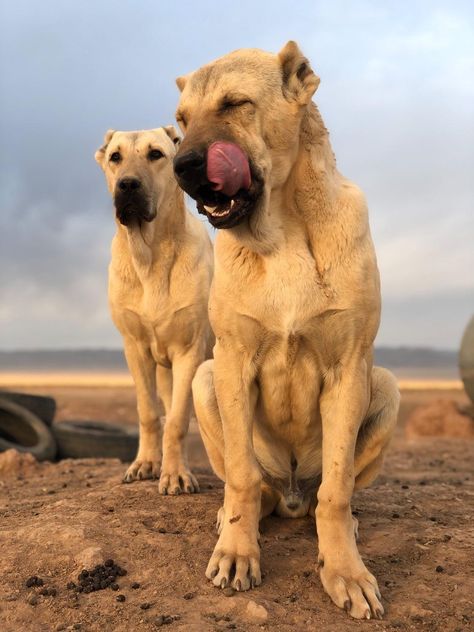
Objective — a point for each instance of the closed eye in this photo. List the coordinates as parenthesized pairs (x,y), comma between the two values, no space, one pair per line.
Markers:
(181,119)
(155,154)
(229,103)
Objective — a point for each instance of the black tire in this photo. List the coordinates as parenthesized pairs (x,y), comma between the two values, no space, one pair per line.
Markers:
(42,406)
(95,439)
(22,430)
(466,359)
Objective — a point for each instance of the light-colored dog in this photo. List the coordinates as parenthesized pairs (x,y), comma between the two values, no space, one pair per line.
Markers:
(159,280)
(291,405)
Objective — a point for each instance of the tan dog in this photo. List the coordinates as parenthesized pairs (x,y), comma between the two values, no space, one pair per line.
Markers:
(159,280)
(291,405)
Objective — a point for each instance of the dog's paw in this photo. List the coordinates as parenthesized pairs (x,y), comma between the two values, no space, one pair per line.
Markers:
(142,470)
(179,481)
(352,588)
(235,564)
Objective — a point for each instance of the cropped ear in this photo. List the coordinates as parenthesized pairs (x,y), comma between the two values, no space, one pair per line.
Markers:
(181,82)
(172,133)
(299,80)
(100,153)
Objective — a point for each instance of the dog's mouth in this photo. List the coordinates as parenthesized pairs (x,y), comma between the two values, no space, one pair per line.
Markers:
(132,210)
(129,215)
(224,211)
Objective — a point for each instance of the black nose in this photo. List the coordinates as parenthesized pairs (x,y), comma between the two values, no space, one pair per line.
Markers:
(190,167)
(128,184)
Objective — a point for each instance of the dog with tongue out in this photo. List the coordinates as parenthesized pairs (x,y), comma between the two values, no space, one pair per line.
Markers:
(293,414)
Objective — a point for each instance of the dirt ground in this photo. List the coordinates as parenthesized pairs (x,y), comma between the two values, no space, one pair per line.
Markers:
(416,536)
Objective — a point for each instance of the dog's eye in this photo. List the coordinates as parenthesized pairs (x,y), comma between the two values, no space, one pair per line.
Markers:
(155,154)
(115,157)
(181,119)
(229,104)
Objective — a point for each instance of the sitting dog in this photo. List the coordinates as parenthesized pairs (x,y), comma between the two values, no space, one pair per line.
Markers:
(159,280)
(291,409)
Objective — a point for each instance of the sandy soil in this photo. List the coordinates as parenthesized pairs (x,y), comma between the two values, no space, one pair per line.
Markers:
(416,536)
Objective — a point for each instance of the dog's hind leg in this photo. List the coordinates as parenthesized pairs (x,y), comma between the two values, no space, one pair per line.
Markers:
(377,428)
(143,369)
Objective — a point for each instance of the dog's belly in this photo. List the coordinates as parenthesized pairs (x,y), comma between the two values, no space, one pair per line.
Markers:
(288,434)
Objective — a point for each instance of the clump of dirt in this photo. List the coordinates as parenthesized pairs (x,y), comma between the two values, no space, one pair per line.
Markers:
(14,463)
(440,418)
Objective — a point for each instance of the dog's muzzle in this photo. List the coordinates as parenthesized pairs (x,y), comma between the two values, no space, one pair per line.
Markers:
(221,180)
(131,203)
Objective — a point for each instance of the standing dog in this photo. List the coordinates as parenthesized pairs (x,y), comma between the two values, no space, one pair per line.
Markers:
(291,405)
(159,280)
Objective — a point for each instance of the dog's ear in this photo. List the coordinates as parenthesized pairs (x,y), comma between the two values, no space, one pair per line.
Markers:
(173,134)
(299,80)
(100,153)
(181,82)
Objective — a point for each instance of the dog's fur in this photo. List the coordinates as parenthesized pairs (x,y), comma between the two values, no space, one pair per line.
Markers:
(159,280)
(291,406)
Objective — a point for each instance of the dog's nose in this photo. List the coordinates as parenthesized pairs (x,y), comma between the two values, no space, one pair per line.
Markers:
(128,184)
(190,166)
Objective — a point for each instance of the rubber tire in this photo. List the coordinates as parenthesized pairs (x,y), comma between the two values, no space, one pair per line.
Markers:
(42,406)
(80,439)
(466,359)
(20,423)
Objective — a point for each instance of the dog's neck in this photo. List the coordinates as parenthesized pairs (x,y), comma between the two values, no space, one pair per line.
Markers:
(154,244)
(306,196)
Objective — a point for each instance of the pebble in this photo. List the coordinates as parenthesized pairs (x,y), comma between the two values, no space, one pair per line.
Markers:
(189,595)
(440,569)
(229,591)
(120,598)
(145,606)
(165,619)
(135,585)
(33,600)
(256,613)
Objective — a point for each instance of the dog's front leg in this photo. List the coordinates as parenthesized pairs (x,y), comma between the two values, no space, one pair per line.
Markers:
(237,547)
(176,477)
(143,369)
(343,573)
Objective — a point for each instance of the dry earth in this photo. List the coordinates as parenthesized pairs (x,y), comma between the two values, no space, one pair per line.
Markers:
(416,535)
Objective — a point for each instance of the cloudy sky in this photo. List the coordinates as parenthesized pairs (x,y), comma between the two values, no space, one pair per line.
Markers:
(397,94)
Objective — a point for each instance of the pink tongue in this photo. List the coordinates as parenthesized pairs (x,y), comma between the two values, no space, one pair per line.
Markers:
(227,168)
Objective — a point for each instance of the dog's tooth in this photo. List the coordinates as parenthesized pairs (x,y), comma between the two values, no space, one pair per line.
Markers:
(232,202)
(210,209)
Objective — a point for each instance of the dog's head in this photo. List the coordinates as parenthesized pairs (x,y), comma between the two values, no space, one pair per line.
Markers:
(138,169)
(241,116)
